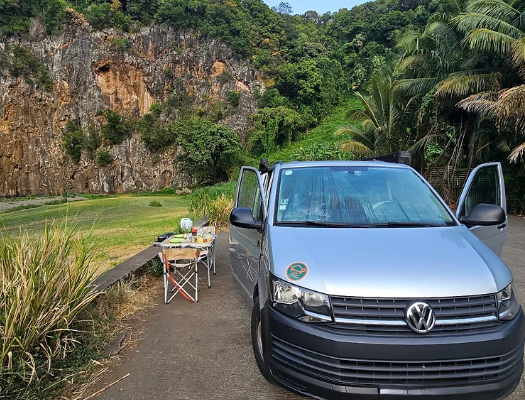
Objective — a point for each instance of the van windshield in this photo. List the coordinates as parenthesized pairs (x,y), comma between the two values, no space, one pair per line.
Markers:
(357,196)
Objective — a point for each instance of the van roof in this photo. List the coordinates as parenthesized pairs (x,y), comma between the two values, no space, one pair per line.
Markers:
(383,164)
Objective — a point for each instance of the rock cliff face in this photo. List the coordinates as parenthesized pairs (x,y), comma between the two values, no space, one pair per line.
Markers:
(94,71)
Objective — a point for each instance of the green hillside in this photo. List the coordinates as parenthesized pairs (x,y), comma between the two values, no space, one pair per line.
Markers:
(441,79)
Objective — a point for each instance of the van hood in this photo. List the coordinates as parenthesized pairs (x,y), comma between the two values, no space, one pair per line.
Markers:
(387,262)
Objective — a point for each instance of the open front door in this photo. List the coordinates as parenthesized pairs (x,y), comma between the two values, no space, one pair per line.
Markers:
(245,243)
(486,185)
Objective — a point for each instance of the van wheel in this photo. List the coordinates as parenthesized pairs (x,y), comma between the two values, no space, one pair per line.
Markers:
(257,342)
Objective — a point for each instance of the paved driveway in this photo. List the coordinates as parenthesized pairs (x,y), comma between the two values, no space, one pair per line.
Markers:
(203,351)
(514,256)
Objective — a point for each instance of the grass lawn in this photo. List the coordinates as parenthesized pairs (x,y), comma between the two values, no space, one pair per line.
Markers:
(121,226)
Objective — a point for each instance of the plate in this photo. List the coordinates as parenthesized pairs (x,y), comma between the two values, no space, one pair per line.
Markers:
(180,235)
(176,240)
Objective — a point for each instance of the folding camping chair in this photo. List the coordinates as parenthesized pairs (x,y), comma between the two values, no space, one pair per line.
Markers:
(180,267)
(207,257)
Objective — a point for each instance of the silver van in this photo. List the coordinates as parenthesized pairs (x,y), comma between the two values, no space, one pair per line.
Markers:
(365,285)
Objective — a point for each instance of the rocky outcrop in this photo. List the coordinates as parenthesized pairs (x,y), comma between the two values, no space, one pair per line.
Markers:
(94,71)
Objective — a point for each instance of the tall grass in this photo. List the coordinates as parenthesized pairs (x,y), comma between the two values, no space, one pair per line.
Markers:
(47,281)
(215,202)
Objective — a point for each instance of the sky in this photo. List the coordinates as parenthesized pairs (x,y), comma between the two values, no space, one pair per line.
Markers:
(301,6)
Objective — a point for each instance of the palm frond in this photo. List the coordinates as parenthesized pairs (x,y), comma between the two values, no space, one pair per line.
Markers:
(474,21)
(507,105)
(416,86)
(370,109)
(516,154)
(511,105)
(520,20)
(423,142)
(493,8)
(409,40)
(357,135)
(345,130)
(481,103)
(466,84)
(356,148)
(488,40)
(518,54)
(442,33)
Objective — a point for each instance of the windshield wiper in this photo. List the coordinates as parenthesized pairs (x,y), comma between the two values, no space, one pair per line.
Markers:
(407,225)
(372,225)
(315,223)
(327,224)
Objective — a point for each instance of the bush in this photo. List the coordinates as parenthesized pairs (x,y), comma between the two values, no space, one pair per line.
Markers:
(120,44)
(115,130)
(219,211)
(207,150)
(24,63)
(234,98)
(156,136)
(203,201)
(104,158)
(47,282)
(74,140)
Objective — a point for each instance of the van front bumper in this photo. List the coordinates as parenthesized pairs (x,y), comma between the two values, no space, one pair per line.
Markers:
(324,363)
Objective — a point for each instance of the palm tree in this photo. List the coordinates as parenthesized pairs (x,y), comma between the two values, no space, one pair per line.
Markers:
(498,27)
(379,119)
(475,59)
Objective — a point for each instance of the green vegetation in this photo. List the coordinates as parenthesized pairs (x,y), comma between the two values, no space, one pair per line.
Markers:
(104,158)
(120,44)
(454,96)
(441,79)
(320,143)
(115,130)
(214,201)
(208,150)
(155,204)
(47,283)
(74,140)
(234,98)
(274,127)
(20,61)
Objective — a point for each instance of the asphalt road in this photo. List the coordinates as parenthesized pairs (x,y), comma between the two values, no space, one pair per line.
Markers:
(203,350)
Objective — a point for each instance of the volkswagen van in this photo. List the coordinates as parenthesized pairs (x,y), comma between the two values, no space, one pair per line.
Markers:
(365,285)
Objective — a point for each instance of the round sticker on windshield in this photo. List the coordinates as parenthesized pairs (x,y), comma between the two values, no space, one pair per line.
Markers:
(296,271)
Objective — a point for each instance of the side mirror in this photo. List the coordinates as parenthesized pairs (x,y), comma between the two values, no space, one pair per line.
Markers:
(484,215)
(243,218)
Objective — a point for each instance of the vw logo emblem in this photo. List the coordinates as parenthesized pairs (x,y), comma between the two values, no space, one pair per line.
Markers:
(420,317)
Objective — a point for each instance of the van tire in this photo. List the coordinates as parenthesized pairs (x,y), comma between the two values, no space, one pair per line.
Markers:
(261,357)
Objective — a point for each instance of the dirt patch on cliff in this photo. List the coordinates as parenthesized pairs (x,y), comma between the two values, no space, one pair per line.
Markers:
(123,87)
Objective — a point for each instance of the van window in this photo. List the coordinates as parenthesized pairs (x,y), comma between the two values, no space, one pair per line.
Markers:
(250,194)
(357,195)
(485,188)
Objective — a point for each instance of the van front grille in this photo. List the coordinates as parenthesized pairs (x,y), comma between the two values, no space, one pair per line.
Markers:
(407,373)
(453,315)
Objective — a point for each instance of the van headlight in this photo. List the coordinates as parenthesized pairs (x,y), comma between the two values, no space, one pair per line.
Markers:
(300,303)
(508,303)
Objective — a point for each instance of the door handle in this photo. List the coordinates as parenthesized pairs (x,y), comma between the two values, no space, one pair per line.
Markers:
(502,226)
